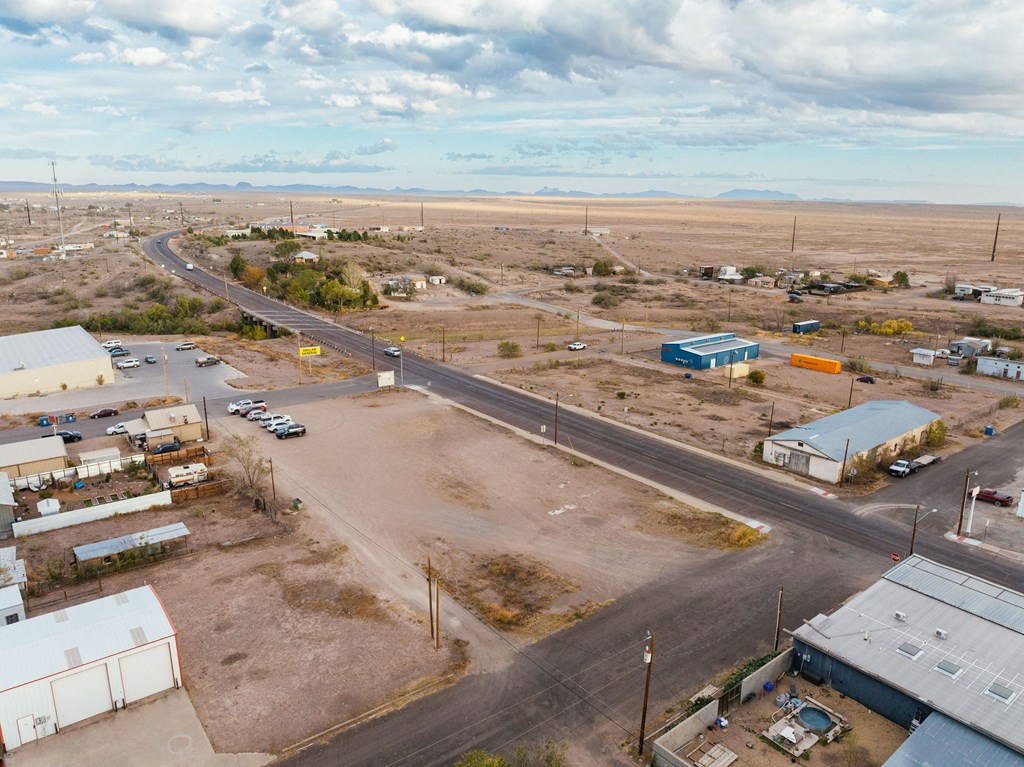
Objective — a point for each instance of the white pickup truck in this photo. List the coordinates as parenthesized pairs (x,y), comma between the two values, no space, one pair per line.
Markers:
(903,468)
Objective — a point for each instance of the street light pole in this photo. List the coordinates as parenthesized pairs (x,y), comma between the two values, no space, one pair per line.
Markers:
(373,350)
(913,533)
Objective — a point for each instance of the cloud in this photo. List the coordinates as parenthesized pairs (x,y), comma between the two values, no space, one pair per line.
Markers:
(8,153)
(176,20)
(39,108)
(87,58)
(379,147)
(142,57)
(469,157)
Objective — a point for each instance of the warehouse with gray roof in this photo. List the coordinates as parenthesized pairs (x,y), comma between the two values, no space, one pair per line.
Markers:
(828,448)
(50,361)
(935,650)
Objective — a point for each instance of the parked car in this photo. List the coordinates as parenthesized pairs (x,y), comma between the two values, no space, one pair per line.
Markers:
(104,412)
(234,407)
(67,436)
(131,362)
(261,415)
(994,496)
(206,361)
(291,430)
(117,428)
(866,379)
(576,346)
(151,359)
(119,352)
(392,351)
(167,447)
(112,344)
(246,409)
(275,423)
(184,346)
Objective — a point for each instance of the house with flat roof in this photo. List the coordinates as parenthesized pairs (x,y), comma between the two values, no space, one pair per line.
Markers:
(827,448)
(936,650)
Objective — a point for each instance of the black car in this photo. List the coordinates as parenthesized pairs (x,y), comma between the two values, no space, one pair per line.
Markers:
(290,430)
(67,436)
(167,447)
(119,352)
(866,379)
(151,359)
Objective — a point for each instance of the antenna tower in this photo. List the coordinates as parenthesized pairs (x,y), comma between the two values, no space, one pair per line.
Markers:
(60,218)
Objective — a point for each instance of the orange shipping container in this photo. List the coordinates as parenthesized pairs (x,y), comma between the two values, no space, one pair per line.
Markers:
(819,364)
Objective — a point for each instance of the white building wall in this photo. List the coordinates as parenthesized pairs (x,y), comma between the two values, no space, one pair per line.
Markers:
(36,698)
(77,375)
(781,454)
(1001,368)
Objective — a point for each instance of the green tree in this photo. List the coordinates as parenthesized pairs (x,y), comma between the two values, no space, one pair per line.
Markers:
(602,269)
(756,377)
(936,434)
(237,265)
(287,248)
(481,759)
(901,280)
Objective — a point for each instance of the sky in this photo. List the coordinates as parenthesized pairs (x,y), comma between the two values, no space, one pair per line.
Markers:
(892,100)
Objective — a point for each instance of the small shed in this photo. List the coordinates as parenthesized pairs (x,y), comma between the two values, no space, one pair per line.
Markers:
(182,420)
(438,279)
(968,346)
(305,257)
(807,326)
(12,608)
(147,543)
(923,356)
(48,506)
(761,282)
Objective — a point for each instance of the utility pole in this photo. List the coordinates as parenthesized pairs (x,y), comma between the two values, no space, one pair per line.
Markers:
(577,326)
(849,402)
(437,614)
(728,317)
(556,418)
(206,419)
(430,597)
(28,210)
(998,219)
(771,420)
(442,344)
(586,219)
(846,452)
(421,215)
(842,344)
(373,350)
(649,662)
(622,338)
(298,337)
(291,213)
(226,296)
(131,224)
(963,503)
(537,345)
(273,487)
(792,244)
(778,617)
(167,387)
(60,217)
(181,212)
(913,532)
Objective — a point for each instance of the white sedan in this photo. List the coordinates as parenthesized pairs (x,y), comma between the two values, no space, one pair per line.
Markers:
(117,428)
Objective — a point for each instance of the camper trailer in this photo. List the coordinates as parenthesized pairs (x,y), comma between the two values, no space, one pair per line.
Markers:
(189,474)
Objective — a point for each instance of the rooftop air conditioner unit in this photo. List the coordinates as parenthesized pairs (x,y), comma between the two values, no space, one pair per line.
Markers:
(941,633)
(900,616)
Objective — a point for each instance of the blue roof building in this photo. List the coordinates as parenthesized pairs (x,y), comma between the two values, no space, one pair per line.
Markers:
(823,449)
(709,351)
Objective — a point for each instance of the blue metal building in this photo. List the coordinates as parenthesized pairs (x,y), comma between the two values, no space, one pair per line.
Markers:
(709,351)
(933,646)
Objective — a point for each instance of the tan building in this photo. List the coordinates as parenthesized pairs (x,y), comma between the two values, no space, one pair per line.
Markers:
(50,361)
(182,420)
(33,456)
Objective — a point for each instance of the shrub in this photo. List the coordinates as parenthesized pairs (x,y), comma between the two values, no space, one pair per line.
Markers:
(100,379)
(572,287)
(1009,401)
(509,349)
(756,377)
(759,449)
(605,301)
(551,347)
(473,287)
(858,364)
(936,434)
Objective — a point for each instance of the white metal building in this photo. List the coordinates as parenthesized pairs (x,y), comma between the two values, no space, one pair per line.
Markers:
(47,360)
(1003,297)
(12,608)
(67,666)
(823,449)
(1001,368)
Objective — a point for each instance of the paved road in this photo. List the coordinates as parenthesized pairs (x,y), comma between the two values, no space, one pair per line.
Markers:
(582,684)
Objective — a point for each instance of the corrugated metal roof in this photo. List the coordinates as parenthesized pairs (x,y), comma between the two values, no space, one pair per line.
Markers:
(719,346)
(973,595)
(99,456)
(866,426)
(172,416)
(940,740)
(983,636)
(45,348)
(36,648)
(32,450)
(110,546)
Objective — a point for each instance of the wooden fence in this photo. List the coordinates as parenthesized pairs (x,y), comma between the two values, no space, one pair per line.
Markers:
(203,490)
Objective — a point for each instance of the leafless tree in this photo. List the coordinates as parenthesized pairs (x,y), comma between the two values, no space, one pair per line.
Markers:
(251,467)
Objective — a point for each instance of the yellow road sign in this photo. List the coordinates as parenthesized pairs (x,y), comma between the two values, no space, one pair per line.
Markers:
(309,351)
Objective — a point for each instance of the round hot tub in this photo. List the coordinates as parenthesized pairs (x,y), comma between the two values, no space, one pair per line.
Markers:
(815,719)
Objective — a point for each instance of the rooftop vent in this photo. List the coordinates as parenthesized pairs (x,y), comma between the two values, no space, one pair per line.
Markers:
(941,633)
(900,616)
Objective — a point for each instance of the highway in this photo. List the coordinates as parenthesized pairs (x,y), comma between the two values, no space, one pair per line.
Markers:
(583,684)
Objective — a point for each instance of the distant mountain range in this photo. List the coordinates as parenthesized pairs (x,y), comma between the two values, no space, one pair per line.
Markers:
(203,188)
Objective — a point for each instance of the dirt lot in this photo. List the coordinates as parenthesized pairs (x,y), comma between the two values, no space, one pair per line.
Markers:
(250,592)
